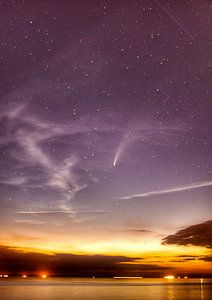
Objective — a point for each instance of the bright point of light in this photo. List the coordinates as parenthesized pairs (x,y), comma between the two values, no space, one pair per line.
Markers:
(4,276)
(185,277)
(24,276)
(169,277)
(44,276)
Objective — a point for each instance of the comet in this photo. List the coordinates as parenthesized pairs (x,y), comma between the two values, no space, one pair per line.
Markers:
(119,152)
(125,140)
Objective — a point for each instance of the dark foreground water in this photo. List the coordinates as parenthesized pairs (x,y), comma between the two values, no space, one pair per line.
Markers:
(105,289)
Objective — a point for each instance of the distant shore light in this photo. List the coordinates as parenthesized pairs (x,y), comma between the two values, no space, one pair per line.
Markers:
(169,277)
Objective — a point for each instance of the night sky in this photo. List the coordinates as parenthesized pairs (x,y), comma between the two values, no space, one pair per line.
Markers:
(105,137)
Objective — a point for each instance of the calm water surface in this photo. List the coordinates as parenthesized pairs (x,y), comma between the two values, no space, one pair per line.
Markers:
(105,289)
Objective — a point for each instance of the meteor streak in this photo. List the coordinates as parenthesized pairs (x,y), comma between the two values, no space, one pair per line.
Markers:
(174,19)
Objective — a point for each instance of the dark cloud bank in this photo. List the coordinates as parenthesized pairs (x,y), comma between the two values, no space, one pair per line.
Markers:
(14,261)
(196,235)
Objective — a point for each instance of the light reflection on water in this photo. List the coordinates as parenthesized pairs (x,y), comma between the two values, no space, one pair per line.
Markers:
(170,292)
(104,289)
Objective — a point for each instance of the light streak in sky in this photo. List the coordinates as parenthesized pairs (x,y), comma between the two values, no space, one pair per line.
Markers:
(118,152)
(191,186)
(174,19)
(142,132)
(127,137)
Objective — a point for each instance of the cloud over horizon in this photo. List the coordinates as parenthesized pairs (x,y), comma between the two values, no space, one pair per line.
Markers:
(196,235)
(14,261)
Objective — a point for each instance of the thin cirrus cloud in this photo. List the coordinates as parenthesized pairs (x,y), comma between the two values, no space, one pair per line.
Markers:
(14,181)
(59,175)
(188,187)
(46,212)
(30,222)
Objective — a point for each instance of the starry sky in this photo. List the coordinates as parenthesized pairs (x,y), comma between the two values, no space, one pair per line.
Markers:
(105,136)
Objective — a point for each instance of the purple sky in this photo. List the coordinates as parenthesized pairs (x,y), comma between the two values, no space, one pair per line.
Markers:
(105,120)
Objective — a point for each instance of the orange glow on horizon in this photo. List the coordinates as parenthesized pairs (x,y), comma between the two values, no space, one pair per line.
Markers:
(170,256)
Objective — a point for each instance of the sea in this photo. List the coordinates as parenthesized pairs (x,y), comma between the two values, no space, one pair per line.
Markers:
(104,289)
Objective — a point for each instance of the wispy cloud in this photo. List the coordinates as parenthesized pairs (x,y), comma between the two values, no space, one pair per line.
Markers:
(46,212)
(29,134)
(188,187)
(30,222)
(14,181)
